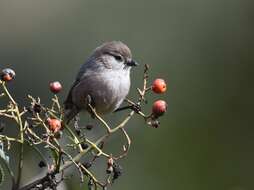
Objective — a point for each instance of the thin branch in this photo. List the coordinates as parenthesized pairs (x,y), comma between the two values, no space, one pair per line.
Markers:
(49,138)
(104,123)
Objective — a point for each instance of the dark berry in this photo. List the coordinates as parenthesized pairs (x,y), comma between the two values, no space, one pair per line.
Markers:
(37,108)
(87,165)
(55,87)
(89,126)
(84,145)
(155,124)
(42,164)
(117,171)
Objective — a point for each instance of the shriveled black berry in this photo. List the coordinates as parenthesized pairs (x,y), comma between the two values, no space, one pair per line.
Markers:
(84,145)
(42,164)
(101,145)
(117,171)
(87,165)
(155,124)
(37,108)
(89,126)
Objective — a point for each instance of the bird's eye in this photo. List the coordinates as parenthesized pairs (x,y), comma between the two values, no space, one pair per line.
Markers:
(118,57)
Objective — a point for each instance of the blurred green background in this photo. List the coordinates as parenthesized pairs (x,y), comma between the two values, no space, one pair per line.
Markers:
(204,49)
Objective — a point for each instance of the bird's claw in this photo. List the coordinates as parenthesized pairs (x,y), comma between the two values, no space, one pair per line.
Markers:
(90,105)
(136,108)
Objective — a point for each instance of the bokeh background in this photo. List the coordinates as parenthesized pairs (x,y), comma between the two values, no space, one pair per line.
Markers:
(204,49)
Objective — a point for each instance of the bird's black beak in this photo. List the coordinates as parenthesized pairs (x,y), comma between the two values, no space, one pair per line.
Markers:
(132,63)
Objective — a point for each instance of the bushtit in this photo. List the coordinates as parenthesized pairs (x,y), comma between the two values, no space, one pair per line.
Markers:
(105,77)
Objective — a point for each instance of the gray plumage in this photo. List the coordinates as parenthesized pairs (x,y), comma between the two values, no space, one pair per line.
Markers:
(105,77)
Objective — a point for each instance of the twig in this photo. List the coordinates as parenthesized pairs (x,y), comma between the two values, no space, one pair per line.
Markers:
(61,158)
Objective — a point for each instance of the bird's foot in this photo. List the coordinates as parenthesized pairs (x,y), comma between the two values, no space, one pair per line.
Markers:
(90,106)
(134,107)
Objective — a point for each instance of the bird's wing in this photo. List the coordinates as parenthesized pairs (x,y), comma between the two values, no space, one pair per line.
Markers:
(70,108)
(86,69)
(68,103)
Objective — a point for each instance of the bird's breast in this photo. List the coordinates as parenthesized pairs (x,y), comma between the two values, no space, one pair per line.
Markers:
(107,89)
(115,87)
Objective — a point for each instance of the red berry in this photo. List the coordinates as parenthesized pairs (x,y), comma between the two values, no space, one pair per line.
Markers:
(55,87)
(54,125)
(159,108)
(7,74)
(159,86)
(6,77)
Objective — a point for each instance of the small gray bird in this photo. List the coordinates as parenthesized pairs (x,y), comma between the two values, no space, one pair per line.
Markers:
(105,77)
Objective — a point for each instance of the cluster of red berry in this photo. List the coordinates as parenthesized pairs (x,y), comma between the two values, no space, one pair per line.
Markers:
(160,106)
(54,124)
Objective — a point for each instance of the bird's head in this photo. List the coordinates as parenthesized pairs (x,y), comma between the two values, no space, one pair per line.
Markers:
(114,55)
